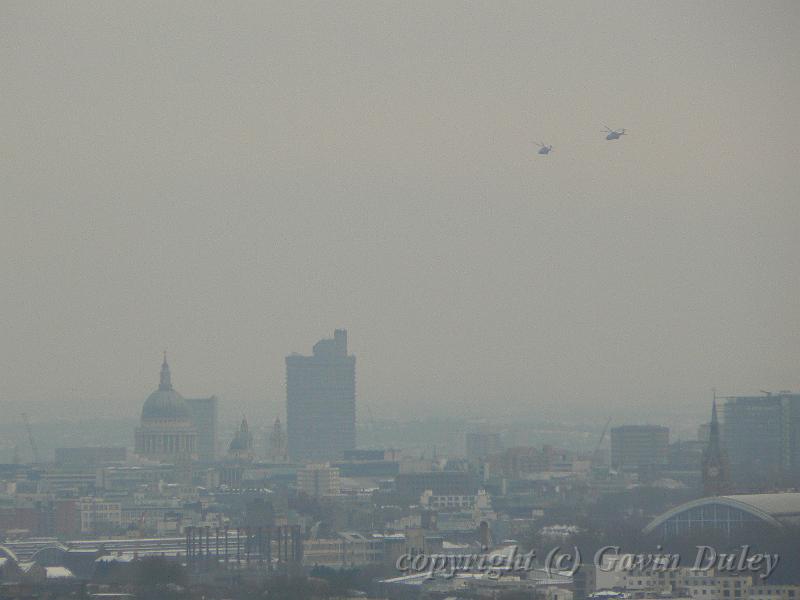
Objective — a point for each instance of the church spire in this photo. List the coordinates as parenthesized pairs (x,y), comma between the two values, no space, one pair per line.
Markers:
(166,379)
(714,426)
(714,410)
(715,464)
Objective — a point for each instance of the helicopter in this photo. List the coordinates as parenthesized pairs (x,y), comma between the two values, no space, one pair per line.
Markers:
(544,149)
(613,134)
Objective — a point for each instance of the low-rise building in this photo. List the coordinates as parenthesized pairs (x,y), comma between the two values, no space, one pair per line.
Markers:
(319,480)
(99,515)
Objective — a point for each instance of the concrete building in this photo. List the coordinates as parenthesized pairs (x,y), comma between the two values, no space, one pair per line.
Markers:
(480,501)
(204,413)
(481,445)
(321,401)
(89,456)
(98,515)
(639,447)
(346,550)
(619,577)
(409,487)
(761,437)
(318,480)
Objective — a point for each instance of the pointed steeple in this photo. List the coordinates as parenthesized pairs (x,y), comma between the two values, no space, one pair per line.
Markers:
(166,379)
(713,429)
(715,464)
(244,428)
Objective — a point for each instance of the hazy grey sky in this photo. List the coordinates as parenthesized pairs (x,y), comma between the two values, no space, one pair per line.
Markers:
(232,181)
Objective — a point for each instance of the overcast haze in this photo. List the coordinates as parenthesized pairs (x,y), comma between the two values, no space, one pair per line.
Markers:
(233,181)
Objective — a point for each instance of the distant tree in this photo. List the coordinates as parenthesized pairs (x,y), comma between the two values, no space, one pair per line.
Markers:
(157,570)
(340,581)
(515,595)
(283,587)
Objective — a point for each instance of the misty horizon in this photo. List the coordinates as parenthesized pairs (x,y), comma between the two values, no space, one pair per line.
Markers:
(233,186)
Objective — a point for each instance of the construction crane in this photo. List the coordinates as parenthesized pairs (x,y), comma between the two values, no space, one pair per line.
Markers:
(31,440)
(596,453)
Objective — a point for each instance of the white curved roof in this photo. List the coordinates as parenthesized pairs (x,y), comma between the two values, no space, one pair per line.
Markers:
(776,505)
(768,507)
(6,552)
(59,573)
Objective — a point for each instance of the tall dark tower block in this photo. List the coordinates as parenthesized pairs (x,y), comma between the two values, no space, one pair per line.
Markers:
(204,416)
(321,401)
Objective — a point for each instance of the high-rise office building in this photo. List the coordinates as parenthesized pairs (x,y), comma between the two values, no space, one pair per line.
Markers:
(204,415)
(639,447)
(321,401)
(481,445)
(761,436)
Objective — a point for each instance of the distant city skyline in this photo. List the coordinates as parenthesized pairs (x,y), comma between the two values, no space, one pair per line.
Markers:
(231,184)
(430,285)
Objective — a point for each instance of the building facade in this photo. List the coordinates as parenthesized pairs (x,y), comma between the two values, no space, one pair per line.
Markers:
(204,416)
(761,436)
(409,487)
(90,456)
(318,480)
(98,515)
(481,445)
(639,447)
(321,401)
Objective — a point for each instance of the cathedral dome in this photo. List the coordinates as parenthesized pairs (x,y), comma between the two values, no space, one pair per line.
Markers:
(165,404)
(242,444)
(243,440)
